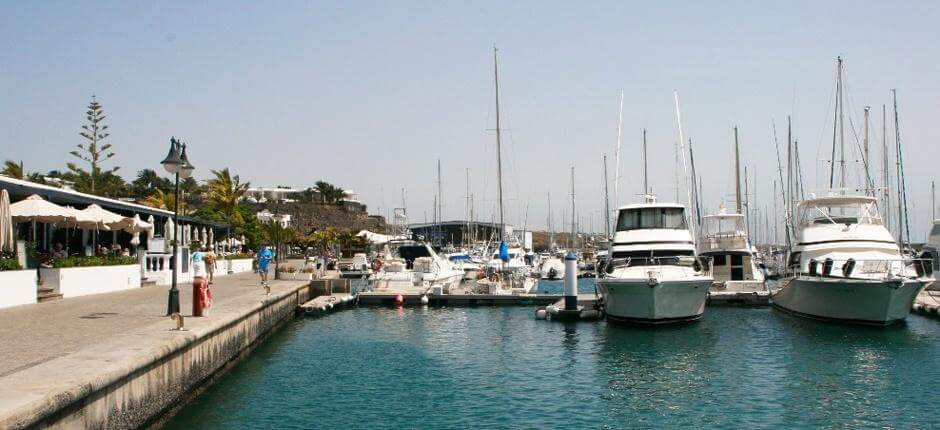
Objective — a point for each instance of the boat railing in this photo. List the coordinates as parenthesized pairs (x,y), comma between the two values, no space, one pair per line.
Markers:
(700,264)
(867,268)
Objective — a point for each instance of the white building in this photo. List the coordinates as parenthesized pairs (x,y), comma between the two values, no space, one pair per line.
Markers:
(266,216)
(261,195)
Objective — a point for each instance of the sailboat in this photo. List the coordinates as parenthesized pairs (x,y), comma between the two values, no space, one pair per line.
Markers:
(507,273)
(653,275)
(552,267)
(845,265)
(733,259)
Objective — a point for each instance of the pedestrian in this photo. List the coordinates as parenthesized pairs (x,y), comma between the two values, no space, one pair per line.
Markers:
(210,265)
(265,255)
(202,295)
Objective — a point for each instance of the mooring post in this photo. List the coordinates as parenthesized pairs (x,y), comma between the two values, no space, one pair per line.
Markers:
(571,282)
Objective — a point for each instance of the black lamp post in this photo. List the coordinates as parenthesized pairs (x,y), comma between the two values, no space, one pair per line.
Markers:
(177,164)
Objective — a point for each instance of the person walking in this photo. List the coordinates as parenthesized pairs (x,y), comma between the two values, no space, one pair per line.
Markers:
(210,265)
(265,255)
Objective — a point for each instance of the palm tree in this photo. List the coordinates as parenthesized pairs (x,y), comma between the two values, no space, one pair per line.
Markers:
(14,170)
(166,201)
(329,192)
(225,192)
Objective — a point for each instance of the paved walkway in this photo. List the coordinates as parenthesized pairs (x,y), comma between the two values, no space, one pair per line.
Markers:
(34,334)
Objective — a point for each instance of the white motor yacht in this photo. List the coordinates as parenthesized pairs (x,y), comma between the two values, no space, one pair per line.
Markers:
(415,267)
(464,262)
(552,268)
(355,267)
(653,275)
(846,266)
(733,262)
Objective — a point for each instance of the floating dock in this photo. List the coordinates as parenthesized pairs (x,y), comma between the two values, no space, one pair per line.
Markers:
(745,299)
(927,304)
(326,304)
(388,298)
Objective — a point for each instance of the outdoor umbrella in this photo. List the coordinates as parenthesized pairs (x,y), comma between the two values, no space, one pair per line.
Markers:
(153,226)
(6,222)
(109,219)
(84,220)
(203,236)
(135,226)
(169,231)
(35,208)
(211,239)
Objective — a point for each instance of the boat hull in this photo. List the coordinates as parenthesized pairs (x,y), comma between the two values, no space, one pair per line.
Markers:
(662,302)
(861,301)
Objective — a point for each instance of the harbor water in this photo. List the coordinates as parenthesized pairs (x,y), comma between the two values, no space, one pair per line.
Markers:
(499,367)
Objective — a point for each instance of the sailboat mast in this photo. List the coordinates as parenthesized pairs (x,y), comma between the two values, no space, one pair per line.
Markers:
(499,152)
(551,225)
(606,200)
(646,185)
(835,124)
(617,155)
(440,205)
(737,171)
(902,187)
(841,131)
(574,217)
(865,161)
(886,170)
(467,210)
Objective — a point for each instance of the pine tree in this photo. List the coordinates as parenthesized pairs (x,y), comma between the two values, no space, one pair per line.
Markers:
(93,151)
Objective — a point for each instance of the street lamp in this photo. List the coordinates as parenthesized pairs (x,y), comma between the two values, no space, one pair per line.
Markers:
(177,164)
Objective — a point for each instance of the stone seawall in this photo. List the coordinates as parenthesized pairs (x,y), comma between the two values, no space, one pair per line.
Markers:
(135,379)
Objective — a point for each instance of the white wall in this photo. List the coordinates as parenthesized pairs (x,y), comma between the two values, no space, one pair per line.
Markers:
(81,281)
(17,287)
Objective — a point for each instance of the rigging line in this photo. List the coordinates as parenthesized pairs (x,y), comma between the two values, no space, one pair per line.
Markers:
(822,131)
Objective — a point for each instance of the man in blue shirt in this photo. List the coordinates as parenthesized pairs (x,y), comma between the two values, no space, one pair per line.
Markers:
(264,260)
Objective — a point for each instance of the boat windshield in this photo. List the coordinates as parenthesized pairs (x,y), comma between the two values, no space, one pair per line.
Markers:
(649,218)
(723,226)
(840,213)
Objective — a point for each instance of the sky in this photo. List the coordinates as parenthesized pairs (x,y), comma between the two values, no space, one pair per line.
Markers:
(370,95)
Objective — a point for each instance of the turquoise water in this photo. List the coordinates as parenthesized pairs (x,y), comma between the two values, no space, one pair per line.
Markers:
(488,367)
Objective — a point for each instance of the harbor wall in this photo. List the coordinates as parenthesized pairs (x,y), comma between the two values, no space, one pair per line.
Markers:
(143,388)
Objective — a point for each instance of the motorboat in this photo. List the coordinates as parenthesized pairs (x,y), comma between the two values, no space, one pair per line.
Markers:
(846,266)
(409,266)
(464,262)
(654,275)
(355,267)
(552,268)
(733,260)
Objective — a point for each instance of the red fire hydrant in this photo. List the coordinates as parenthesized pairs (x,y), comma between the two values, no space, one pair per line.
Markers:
(202,297)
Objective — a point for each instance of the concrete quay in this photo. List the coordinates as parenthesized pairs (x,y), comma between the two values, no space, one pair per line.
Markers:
(927,303)
(115,361)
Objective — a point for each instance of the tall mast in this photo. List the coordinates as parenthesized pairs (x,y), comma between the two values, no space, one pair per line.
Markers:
(776,241)
(837,134)
(440,204)
(886,170)
(841,132)
(606,201)
(551,225)
(865,160)
(617,155)
(499,152)
(646,185)
(467,209)
(747,207)
(933,201)
(574,217)
(681,154)
(902,187)
(737,171)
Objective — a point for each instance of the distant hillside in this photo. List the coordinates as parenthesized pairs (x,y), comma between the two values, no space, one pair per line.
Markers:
(309,217)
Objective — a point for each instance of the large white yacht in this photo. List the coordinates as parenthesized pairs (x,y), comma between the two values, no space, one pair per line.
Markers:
(414,267)
(733,263)
(845,265)
(653,276)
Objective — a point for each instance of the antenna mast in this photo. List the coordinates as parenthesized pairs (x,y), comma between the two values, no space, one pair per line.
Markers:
(499,152)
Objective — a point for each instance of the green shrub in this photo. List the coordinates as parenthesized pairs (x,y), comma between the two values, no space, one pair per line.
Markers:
(243,256)
(9,264)
(82,261)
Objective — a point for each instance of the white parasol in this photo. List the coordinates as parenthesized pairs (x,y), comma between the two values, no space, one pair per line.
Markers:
(107,218)
(203,236)
(84,220)
(35,208)
(210,237)
(153,226)
(6,222)
(169,231)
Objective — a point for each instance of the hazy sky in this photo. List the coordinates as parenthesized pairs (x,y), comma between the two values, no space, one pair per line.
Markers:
(369,95)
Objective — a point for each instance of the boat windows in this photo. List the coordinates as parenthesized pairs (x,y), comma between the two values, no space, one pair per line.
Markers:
(720,260)
(737,260)
(847,213)
(649,218)
(655,257)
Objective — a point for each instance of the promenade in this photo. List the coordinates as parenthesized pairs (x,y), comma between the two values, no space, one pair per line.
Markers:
(54,353)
